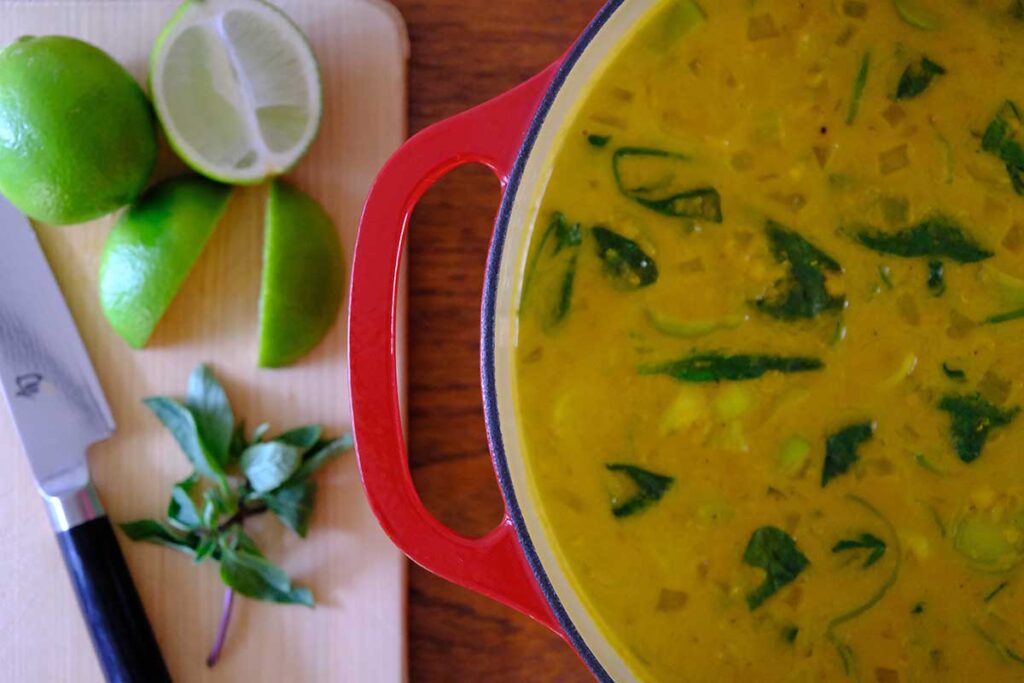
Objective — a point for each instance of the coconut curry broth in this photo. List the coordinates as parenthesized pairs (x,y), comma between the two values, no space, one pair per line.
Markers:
(770,357)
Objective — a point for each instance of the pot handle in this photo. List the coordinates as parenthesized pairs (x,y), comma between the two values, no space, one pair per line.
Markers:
(490,134)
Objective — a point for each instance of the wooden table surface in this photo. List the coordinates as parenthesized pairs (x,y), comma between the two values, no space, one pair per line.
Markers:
(463,53)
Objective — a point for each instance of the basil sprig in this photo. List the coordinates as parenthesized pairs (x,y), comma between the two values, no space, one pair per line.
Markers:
(235,477)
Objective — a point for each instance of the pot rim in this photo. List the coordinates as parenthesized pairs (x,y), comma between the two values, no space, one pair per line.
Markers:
(488,337)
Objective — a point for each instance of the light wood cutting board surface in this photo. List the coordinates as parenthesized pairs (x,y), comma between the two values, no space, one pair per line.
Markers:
(356,633)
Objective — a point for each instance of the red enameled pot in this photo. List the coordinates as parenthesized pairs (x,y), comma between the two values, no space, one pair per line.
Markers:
(515,136)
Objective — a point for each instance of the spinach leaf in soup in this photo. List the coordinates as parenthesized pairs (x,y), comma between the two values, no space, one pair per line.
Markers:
(973,420)
(1002,139)
(552,272)
(841,450)
(917,77)
(865,541)
(937,236)
(717,367)
(802,294)
(650,489)
(774,551)
(624,261)
(652,178)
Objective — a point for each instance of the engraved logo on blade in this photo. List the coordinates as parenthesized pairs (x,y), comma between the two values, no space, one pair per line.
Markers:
(28,385)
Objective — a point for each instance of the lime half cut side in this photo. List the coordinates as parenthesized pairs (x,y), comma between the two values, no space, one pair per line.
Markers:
(237,89)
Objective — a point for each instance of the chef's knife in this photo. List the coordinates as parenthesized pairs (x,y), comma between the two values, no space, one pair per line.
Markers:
(59,409)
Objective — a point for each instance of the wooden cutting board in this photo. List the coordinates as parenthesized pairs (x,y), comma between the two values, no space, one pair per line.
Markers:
(357,631)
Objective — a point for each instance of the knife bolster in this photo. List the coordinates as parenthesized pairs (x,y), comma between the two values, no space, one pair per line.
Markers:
(74,508)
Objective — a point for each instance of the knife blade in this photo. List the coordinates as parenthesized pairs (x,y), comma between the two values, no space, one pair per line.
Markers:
(51,388)
(59,410)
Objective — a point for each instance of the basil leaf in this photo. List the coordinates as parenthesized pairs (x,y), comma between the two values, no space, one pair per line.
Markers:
(243,543)
(865,541)
(268,465)
(552,269)
(152,531)
(651,178)
(301,437)
(238,442)
(181,511)
(841,450)
(260,431)
(207,547)
(255,577)
(938,236)
(774,551)
(321,454)
(650,488)
(917,77)
(717,367)
(209,405)
(1002,139)
(214,507)
(293,505)
(624,261)
(974,419)
(182,424)
(953,373)
(802,294)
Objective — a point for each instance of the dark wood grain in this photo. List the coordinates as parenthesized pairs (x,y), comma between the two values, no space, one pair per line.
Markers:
(463,53)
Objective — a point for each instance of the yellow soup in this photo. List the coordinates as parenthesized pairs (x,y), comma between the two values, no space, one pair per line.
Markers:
(770,352)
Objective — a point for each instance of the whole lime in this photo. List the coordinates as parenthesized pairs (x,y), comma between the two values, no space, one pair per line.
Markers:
(77,135)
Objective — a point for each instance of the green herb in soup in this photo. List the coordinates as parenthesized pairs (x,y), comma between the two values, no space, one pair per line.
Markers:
(650,487)
(841,450)
(858,88)
(866,541)
(917,77)
(788,307)
(653,178)
(973,421)
(803,292)
(718,367)
(1002,139)
(624,261)
(774,551)
(552,272)
(937,236)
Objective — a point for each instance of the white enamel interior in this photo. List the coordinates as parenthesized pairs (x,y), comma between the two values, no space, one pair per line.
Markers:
(506,328)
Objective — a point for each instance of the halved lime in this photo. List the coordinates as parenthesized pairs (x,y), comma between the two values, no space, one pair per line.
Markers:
(151,250)
(303,277)
(77,136)
(237,89)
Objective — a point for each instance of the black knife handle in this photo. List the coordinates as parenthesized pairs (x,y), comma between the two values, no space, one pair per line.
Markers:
(121,634)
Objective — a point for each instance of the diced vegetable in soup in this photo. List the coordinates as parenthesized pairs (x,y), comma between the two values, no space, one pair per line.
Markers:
(771,342)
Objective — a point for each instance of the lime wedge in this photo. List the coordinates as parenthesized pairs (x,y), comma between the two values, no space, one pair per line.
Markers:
(303,277)
(151,250)
(237,89)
